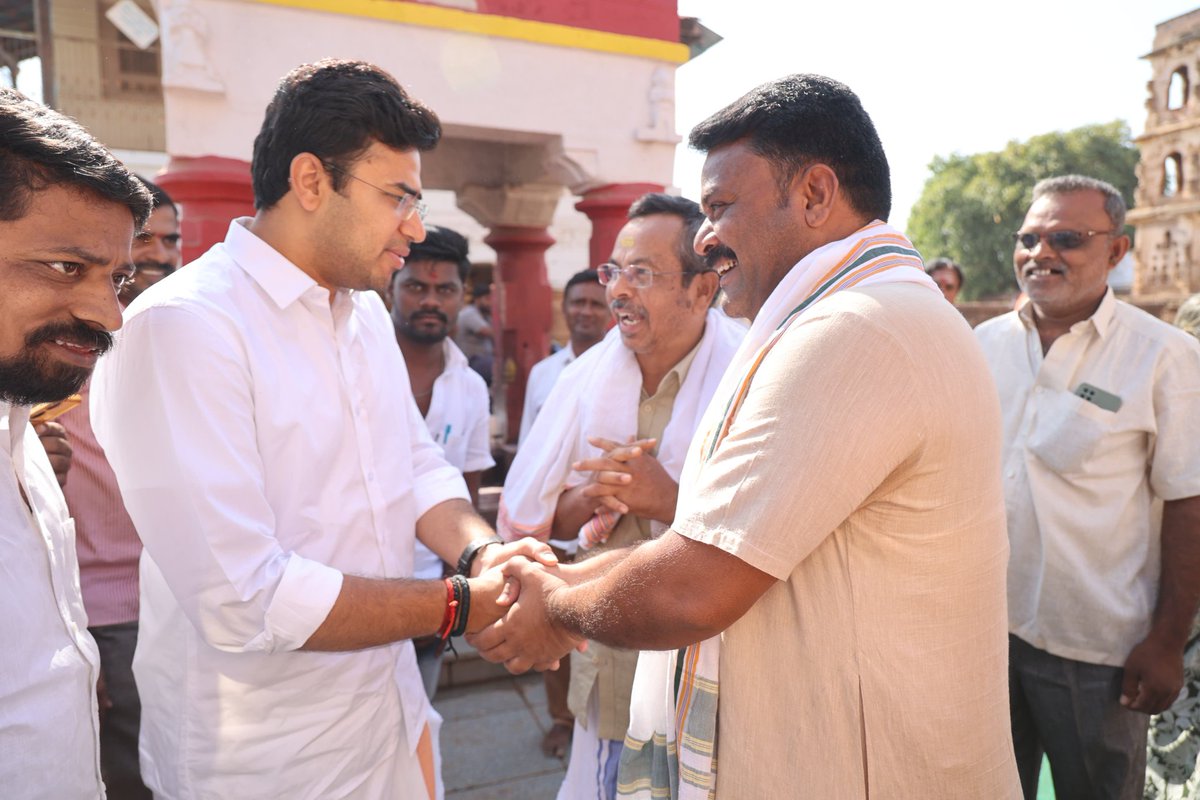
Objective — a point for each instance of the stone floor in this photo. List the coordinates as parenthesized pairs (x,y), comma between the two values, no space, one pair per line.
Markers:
(491,741)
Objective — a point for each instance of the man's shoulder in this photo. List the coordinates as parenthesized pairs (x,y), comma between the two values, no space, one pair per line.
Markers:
(1147,326)
(555,361)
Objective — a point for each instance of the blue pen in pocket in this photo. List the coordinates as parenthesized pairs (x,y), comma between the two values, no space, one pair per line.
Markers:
(446,434)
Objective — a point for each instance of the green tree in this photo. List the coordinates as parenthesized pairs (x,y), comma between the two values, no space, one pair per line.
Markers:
(971,204)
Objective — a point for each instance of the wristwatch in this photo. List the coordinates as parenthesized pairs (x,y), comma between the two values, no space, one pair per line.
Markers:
(472,550)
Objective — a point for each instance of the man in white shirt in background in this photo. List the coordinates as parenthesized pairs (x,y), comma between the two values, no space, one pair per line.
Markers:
(587,316)
(426,296)
(68,213)
(278,470)
(1101,406)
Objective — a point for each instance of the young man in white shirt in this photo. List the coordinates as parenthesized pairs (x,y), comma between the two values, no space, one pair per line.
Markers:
(426,296)
(278,471)
(68,213)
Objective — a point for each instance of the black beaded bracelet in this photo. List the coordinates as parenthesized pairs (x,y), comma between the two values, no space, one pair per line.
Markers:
(471,551)
(462,593)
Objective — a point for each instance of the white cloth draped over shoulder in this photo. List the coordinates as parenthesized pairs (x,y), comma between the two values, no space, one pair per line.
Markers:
(681,745)
(598,395)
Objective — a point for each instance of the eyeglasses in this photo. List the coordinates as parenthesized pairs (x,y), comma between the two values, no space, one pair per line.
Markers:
(407,204)
(635,276)
(1057,240)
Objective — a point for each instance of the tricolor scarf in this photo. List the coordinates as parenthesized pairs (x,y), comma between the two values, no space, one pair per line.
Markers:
(671,747)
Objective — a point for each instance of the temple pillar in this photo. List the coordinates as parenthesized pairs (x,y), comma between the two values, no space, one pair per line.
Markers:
(210,191)
(518,217)
(606,206)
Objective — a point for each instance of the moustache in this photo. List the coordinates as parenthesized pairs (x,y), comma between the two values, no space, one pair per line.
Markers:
(76,333)
(159,265)
(416,315)
(718,254)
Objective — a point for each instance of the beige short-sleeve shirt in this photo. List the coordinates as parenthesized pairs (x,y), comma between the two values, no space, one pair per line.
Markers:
(863,472)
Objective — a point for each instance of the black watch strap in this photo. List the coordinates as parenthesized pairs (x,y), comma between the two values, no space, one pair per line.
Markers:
(471,551)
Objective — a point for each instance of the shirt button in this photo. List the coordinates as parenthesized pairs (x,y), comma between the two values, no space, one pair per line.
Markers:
(1012,473)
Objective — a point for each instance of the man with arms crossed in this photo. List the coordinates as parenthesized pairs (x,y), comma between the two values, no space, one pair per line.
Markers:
(68,213)
(279,470)
(1101,408)
(840,509)
(649,381)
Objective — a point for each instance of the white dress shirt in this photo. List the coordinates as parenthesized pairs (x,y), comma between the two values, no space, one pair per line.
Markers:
(49,734)
(266,443)
(1083,485)
(542,378)
(460,422)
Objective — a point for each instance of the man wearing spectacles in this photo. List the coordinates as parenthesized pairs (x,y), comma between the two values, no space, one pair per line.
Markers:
(1101,407)
(278,472)
(626,411)
(427,294)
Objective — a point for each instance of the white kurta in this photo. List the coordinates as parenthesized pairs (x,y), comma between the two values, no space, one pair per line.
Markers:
(49,734)
(266,443)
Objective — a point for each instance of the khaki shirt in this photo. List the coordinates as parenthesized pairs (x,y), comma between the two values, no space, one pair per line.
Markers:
(1083,484)
(863,473)
(609,669)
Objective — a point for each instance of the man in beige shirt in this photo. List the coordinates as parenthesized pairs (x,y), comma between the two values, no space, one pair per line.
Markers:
(1101,406)
(838,549)
(654,368)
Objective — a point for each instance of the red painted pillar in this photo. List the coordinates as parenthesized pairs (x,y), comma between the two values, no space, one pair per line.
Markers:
(523,318)
(606,206)
(210,191)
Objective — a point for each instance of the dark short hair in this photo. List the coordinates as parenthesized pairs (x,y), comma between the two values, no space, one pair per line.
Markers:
(800,120)
(158,195)
(335,109)
(689,214)
(583,276)
(442,244)
(946,263)
(1114,203)
(40,148)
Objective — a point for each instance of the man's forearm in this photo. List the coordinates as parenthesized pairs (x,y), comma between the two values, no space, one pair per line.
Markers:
(1179,588)
(622,603)
(449,527)
(570,514)
(370,612)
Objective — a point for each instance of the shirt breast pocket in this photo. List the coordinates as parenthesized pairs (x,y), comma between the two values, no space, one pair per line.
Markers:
(1067,431)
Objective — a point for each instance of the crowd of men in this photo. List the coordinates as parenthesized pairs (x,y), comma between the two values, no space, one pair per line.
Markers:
(796,529)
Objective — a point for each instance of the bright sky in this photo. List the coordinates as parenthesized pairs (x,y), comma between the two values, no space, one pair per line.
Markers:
(937,76)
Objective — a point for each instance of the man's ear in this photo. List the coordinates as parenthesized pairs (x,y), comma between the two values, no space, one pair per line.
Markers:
(706,285)
(309,181)
(1120,246)
(815,188)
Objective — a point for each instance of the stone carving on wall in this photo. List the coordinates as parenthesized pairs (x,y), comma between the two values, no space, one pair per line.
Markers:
(185,61)
(662,109)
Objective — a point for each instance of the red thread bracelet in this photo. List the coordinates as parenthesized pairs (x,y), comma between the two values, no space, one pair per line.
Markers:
(447,625)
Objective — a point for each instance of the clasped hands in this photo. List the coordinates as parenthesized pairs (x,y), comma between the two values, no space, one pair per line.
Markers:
(509,619)
(628,479)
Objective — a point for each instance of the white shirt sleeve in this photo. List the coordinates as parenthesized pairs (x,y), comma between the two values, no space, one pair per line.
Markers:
(173,407)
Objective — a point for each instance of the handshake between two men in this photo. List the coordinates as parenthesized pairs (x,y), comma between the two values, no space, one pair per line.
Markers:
(538,620)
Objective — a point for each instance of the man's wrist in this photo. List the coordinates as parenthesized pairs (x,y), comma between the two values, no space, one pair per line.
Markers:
(471,553)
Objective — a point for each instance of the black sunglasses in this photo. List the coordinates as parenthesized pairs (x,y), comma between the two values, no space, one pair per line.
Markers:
(1057,240)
